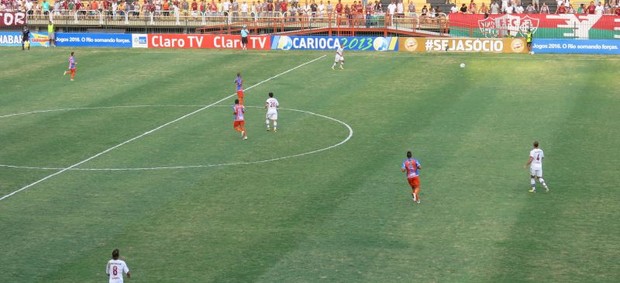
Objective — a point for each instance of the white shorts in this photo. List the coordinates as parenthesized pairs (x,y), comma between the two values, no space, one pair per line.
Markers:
(272,115)
(536,172)
(339,58)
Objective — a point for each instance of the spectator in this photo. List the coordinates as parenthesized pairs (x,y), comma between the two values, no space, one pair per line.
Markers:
(391,8)
(472,7)
(244,8)
(510,9)
(608,9)
(544,9)
(45,7)
(463,9)
(234,7)
(185,7)
(599,9)
(269,9)
(494,7)
(535,4)
(378,8)
(284,8)
(530,9)
(37,9)
(484,9)
(369,14)
(94,6)
(519,9)
(136,8)
(411,9)
(561,9)
(258,7)
(591,8)
(330,8)
(219,7)
(581,9)
(114,9)
(29,5)
(314,9)
(226,7)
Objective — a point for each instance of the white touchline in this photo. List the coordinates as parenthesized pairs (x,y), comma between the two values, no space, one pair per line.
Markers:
(150,131)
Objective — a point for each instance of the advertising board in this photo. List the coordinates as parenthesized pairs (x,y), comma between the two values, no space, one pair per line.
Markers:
(443,44)
(357,43)
(15,39)
(12,19)
(576,46)
(224,41)
(116,40)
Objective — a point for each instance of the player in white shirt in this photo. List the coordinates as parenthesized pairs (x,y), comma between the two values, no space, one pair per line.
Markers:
(536,171)
(116,267)
(339,57)
(272,105)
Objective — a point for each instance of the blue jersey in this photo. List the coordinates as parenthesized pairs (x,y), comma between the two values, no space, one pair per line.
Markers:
(239,83)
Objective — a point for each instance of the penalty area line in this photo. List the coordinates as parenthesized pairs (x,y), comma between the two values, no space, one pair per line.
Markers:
(63,170)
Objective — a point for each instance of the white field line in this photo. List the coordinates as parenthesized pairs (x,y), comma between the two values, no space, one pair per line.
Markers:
(177,167)
(149,132)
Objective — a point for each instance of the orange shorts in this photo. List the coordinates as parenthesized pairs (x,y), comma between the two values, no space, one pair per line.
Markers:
(240,94)
(414,182)
(238,124)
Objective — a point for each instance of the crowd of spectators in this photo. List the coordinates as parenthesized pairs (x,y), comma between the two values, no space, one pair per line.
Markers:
(292,9)
(534,7)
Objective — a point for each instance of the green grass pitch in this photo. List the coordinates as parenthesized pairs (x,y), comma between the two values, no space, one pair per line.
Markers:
(113,160)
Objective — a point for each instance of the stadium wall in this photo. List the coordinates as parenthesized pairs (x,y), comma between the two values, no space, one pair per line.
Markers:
(288,43)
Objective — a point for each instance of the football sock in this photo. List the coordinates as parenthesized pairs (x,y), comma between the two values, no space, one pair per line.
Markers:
(275,124)
(533,183)
(267,123)
(542,181)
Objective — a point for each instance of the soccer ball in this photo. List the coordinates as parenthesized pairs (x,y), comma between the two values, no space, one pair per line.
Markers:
(532,52)
(462,65)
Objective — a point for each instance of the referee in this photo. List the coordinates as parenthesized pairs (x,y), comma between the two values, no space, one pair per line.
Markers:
(26,38)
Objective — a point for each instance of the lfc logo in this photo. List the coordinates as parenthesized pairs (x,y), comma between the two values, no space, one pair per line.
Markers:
(507,26)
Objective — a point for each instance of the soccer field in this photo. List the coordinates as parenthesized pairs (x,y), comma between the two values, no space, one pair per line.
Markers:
(138,153)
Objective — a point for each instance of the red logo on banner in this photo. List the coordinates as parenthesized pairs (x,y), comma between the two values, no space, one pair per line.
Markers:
(12,19)
(507,25)
(206,41)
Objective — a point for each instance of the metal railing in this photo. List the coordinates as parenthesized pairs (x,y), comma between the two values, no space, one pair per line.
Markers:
(263,22)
